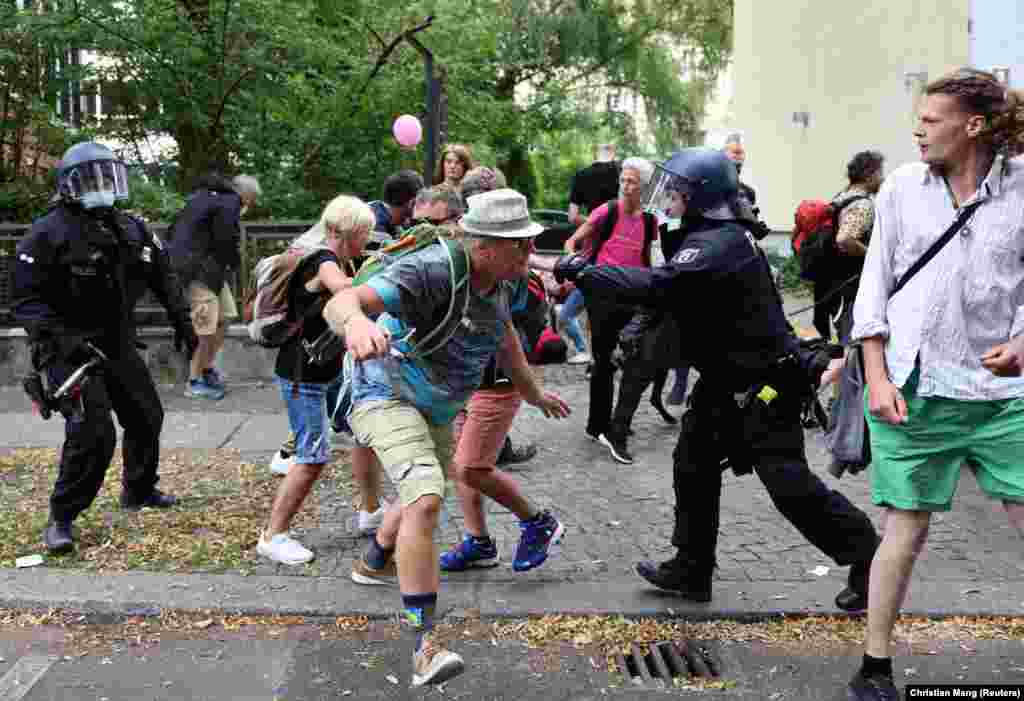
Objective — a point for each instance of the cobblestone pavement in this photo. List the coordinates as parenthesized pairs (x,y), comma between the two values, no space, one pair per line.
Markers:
(614,514)
(617,514)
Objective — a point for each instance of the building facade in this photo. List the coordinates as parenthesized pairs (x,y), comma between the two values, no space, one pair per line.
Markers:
(814,82)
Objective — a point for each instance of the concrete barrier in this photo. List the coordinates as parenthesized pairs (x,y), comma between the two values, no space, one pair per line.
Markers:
(241,359)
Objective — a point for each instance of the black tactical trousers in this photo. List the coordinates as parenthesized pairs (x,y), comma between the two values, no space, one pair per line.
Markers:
(635,379)
(605,327)
(769,439)
(124,386)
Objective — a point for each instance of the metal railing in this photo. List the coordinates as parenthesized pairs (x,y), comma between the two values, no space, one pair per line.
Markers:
(258,239)
(263,238)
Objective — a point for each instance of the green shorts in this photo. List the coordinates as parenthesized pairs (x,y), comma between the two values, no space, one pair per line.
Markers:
(916,466)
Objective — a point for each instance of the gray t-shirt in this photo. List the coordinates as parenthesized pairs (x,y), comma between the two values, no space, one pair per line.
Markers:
(416,292)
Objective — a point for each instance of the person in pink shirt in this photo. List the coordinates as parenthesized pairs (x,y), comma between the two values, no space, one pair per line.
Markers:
(618,232)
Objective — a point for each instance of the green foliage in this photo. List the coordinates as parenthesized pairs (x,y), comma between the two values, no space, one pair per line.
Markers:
(23,200)
(153,201)
(788,268)
(303,93)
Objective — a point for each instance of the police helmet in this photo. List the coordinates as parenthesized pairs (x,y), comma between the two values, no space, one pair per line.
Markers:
(90,176)
(705,176)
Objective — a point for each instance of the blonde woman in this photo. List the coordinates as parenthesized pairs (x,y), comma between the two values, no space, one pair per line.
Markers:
(339,236)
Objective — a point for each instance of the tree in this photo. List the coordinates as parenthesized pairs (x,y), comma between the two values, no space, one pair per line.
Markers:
(303,92)
(30,139)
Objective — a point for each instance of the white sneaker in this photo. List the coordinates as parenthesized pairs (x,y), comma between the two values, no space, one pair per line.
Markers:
(284,549)
(580,359)
(435,665)
(367,523)
(281,463)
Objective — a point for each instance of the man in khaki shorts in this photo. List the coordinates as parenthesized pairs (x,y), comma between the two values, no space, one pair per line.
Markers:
(405,397)
(204,250)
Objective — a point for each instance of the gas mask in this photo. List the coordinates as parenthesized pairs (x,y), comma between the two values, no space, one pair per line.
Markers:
(97,200)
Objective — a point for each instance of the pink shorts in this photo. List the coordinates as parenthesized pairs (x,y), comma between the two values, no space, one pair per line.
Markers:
(480,428)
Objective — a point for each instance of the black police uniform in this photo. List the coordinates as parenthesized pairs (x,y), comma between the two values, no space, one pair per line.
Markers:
(77,279)
(740,342)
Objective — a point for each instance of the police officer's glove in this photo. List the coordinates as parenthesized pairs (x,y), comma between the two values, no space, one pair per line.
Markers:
(814,356)
(570,267)
(185,339)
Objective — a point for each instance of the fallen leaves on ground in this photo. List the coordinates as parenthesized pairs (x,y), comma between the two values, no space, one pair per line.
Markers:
(616,633)
(551,639)
(224,502)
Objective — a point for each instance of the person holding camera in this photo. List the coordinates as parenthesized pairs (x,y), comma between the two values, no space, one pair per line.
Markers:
(78,276)
(755,378)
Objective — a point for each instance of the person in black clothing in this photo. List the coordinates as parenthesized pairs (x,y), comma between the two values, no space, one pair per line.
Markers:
(205,250)
(594,185)
(394,212)
(735,152)
(78,276)
(755,378)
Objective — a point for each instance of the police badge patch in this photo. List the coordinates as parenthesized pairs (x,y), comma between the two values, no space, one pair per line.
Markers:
(688,255)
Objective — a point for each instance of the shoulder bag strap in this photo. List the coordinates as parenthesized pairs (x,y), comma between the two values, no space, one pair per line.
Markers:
(607,229)
(934,249)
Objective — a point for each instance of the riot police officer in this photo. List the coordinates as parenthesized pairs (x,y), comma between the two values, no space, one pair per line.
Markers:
(78,275)
(755,378)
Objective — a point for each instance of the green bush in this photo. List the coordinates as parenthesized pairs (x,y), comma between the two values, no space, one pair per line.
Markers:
(152,201)
(790,280)
(22,201)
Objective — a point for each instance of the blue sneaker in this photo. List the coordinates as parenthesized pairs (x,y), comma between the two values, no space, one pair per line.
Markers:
(469,554)
(213,378)
(536,540)
(200,389)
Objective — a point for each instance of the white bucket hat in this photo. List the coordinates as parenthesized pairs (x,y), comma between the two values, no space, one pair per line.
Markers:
(501,214)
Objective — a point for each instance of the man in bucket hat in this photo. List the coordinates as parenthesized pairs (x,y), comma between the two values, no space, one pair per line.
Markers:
(404,401)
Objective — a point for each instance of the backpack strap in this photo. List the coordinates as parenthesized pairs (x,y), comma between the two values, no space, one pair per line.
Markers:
(839,206)
(458,268)
(650,231)
(607,227)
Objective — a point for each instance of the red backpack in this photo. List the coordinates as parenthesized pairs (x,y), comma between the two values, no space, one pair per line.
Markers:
(814,233)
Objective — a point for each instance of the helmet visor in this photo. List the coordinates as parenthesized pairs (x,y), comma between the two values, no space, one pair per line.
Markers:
(98,176)
(666,194)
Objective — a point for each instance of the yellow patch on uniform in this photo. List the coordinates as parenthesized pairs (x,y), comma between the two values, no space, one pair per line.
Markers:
(767,394)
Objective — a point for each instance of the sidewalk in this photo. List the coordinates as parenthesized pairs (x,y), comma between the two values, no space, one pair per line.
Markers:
(615,515)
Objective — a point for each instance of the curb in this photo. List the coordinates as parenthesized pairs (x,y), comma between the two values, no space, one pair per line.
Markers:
(146,594)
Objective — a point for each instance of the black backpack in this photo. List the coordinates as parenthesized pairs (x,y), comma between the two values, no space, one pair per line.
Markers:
(608,226)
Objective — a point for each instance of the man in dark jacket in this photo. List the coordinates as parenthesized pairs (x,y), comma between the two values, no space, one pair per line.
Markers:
(77,278)
(754,380)
(204,251)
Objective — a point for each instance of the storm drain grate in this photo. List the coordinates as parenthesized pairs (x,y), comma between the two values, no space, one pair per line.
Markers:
(662,663)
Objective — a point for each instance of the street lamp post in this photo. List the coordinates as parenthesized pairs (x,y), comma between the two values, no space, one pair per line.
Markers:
(433,98)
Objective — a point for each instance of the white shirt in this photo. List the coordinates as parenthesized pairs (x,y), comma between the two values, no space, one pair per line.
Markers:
(967,299)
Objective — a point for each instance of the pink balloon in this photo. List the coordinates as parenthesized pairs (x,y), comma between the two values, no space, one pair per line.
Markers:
(407,130)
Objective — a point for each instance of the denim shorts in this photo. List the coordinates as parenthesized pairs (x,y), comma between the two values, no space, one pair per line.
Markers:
(307,418)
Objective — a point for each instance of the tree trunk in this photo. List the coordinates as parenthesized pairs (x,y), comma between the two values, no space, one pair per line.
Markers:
(198,154)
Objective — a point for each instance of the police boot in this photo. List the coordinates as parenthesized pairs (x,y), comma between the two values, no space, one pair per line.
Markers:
(510,455)
(854,598)
(58,537)
(155,500)
(688,578)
